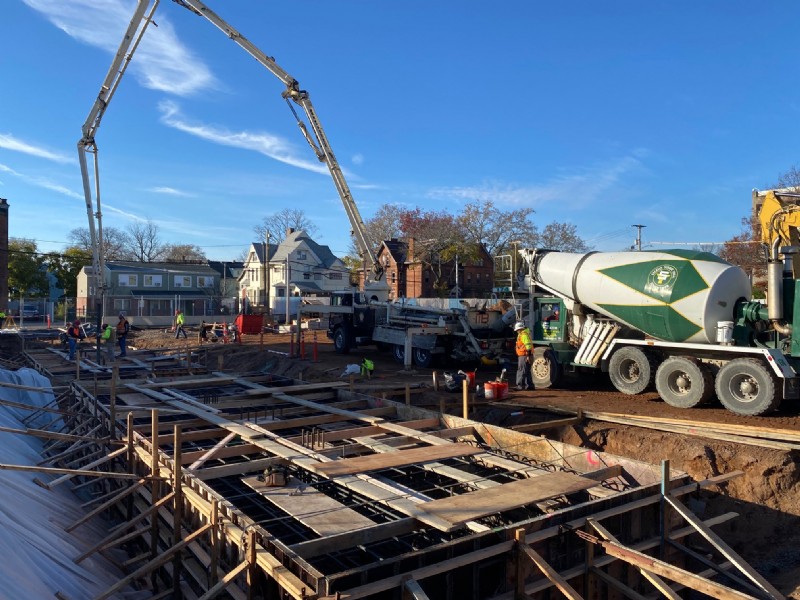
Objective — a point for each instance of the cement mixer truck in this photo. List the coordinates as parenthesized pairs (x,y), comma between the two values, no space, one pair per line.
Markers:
(677,319)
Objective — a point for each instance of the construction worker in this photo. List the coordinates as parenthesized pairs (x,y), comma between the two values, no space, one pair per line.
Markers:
(179,324)
(2,318)
(74,335)
(123,328)
(524,354)
(108,335)
(367,367)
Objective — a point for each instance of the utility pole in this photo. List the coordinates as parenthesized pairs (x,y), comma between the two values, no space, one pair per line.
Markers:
(639,236)
(267,310)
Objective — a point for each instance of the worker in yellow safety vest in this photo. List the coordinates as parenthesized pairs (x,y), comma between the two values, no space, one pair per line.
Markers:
(524,356)
(367,367)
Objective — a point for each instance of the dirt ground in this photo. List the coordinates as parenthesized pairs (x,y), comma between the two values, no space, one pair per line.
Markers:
(767,496)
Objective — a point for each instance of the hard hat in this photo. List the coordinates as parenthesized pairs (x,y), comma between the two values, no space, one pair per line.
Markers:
(76,323)
(519,325)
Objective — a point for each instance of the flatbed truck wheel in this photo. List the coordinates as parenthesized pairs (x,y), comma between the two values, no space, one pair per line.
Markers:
(422,358)
(747,387)
(341,341)
(399,353)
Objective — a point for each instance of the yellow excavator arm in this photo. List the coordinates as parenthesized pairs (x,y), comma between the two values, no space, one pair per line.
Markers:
(779,219)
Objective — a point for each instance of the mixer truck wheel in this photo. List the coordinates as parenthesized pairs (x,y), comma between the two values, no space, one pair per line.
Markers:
(631,370)
(545,370)
(747,387)
(684,382)
(341,343)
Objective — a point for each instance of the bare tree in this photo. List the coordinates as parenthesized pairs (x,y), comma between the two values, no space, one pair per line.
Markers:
(183,253)
(789,179)
(116,242)
(563,237)
(496,229)
(145,244)
(277,224)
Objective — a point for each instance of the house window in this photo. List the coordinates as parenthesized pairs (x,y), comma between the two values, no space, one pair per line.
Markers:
(307,276)
(301,255)
(317,276)
(478,278)
(478,262)
(127,280)
(182,281)
(335,276)
(281,292)
(394,277)
(204,281)
(152,280)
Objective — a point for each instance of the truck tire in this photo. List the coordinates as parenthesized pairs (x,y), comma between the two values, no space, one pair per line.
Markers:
(399,353)
(341,340)
(684,382)
(422,358)
(631,370)
(545,370)
(747,387)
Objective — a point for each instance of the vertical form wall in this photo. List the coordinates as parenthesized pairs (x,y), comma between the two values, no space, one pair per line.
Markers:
(3,254)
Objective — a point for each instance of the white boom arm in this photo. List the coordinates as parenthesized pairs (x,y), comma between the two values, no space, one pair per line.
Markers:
(130,41)
(319,141)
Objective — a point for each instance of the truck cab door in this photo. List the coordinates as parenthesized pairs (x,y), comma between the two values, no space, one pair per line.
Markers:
(550,318)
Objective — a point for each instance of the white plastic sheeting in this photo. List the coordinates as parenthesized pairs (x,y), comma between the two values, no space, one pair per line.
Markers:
(36,554)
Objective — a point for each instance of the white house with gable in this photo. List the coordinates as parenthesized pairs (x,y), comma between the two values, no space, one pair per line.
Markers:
(297,267)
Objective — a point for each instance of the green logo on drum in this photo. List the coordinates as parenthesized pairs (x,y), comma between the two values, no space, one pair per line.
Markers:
(661,279)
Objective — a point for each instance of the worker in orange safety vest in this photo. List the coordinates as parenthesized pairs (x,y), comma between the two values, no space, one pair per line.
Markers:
(524,355)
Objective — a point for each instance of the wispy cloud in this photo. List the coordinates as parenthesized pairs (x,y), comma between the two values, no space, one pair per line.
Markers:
(264,143)
(41,182)
(122,213)
(577,188)
(9,142)
(170,192)
(161,61)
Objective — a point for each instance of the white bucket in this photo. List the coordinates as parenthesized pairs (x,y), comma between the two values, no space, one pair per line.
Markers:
(725,332)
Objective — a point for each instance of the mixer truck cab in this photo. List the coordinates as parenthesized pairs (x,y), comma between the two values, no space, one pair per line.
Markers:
(681,321)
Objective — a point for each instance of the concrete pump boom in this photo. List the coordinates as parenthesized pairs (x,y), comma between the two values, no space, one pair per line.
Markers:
(87,145)
(318,142)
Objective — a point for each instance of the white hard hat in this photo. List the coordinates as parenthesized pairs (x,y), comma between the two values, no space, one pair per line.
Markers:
(519,325)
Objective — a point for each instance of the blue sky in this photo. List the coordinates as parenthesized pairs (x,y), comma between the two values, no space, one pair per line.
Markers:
(602,114)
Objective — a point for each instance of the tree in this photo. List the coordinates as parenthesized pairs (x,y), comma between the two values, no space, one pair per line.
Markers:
(384,225)
(496,229)
(561,236)
(183,253)
(27,275)
(746,251)
(145,244)
(66,267)
(116,243)
(281,221)
(789,179)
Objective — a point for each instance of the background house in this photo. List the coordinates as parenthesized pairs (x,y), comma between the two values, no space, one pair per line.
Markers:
(412,273)
(297,267)
(153,289)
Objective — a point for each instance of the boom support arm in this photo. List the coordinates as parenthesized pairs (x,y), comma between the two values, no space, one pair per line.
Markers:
(316,139)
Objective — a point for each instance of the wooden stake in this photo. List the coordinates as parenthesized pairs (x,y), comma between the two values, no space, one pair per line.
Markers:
(408,395)
(214,540)
(465,389)
(155,493)
(112,409)
(177,518)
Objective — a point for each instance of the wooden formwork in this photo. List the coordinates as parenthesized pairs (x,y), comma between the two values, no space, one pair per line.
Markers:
(383,500)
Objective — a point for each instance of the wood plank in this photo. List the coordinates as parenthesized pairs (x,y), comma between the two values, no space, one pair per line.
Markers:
(467,507)
(314,509)
(376,462)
